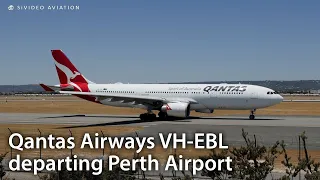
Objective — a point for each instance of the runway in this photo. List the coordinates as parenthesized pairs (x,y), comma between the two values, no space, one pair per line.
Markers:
(268,129)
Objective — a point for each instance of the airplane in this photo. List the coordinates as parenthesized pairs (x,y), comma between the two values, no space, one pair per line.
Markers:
(171,100)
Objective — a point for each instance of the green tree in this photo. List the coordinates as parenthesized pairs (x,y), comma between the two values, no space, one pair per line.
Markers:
(118,174)
(2,171)
(252,161)
(215,174)
(306,163)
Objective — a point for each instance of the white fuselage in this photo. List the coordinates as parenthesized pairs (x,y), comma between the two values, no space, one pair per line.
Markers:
(207,96)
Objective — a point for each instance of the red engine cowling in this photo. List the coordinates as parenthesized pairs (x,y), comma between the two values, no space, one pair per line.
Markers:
(177,109)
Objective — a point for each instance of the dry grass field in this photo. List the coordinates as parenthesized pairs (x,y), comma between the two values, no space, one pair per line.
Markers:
(85,107)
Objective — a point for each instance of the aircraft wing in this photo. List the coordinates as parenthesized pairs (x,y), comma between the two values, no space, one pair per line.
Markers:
(137,98)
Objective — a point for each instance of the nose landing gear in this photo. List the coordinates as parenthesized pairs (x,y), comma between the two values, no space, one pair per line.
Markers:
(251,117)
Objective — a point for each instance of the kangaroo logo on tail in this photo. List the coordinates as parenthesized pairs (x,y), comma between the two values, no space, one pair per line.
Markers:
(68,73)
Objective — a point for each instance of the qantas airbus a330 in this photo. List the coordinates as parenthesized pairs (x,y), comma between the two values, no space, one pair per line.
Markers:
(171,100)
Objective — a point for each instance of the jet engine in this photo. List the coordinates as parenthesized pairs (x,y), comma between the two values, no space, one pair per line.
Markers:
(205,110)
(176,109)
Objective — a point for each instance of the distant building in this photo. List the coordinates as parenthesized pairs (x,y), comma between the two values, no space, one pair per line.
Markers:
(315,91)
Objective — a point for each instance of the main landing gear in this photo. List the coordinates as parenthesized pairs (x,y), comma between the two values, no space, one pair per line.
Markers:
(147,116)
(162,115)
(251,117)
(151,116)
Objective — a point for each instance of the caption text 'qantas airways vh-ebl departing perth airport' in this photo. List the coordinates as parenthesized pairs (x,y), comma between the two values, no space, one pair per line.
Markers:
(171,100)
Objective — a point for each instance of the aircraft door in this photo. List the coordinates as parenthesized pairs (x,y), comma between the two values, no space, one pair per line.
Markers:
(254,95)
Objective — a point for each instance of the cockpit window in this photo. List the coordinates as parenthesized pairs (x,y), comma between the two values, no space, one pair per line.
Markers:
(270,92)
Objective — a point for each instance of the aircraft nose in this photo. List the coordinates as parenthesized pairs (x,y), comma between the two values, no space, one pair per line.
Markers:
(279,98)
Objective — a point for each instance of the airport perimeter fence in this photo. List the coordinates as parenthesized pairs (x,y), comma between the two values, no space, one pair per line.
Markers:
(161,174)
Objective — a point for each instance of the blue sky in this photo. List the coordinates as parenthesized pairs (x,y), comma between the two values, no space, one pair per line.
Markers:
(162,41)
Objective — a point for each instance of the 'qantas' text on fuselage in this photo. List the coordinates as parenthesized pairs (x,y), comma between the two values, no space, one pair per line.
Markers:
(225,88)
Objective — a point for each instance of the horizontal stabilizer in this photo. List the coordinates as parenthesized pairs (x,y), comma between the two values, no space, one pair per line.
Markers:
(50,88)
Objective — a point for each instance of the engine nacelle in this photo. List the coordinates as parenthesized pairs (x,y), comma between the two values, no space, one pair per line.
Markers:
(177,109)
(205,110)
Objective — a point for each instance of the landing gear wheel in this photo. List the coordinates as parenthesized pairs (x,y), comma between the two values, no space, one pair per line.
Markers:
(251,117)
(162,115)
(143,117)
(152,116)
(147,116)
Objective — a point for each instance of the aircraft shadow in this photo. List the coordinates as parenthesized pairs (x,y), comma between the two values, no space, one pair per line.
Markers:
(138,121)
(171,119)
(87,116)
(64,116)
(236,118)
(126,122)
